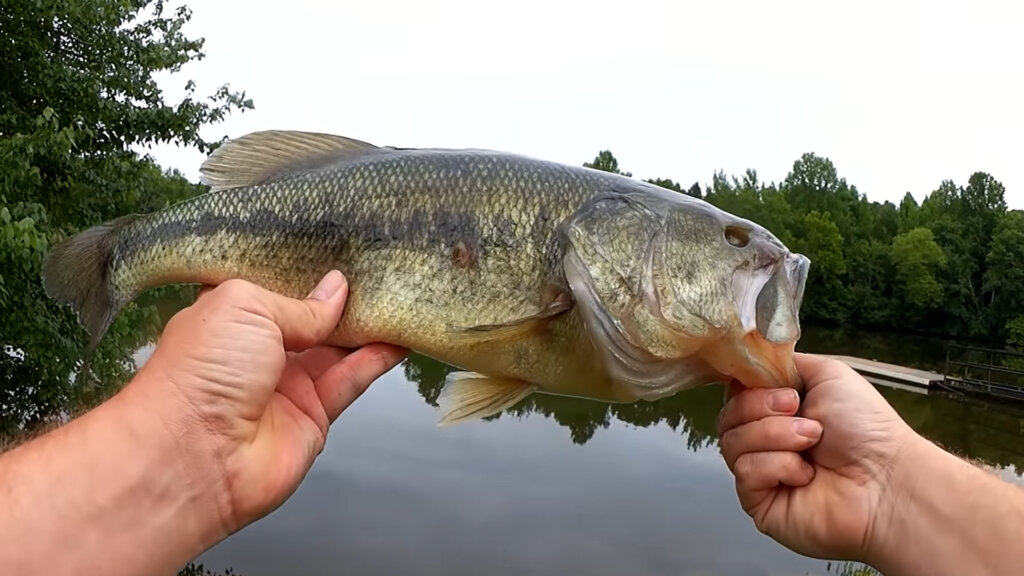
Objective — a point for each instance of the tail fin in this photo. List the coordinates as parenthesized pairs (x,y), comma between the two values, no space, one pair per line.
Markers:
(77,272)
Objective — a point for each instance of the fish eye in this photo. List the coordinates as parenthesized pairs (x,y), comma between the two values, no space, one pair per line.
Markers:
(738,236)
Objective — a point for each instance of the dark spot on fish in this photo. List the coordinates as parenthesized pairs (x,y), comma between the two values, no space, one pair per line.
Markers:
(463,256)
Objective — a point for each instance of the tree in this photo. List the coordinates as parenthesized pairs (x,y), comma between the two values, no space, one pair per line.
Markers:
(909,213)
(666,183)
(78,97)
(917,258)
(606,162)
(1004,276)
(963,220)
(819,239)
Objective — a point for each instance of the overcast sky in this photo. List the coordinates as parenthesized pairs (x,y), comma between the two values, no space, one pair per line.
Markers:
(900,95)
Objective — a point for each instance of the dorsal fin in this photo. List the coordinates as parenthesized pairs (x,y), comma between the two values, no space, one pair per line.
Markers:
(259,157)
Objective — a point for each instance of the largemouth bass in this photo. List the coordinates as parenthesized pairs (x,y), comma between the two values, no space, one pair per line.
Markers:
(530,276)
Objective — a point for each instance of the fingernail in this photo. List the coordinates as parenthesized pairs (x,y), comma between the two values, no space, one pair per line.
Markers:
(809,429)
(328,286)
(785,400)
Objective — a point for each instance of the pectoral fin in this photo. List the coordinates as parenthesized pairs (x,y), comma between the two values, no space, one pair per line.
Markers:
(515,329)
(471,396)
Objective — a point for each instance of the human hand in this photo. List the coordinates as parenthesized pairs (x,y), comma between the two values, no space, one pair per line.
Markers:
(823,484)
(239,378)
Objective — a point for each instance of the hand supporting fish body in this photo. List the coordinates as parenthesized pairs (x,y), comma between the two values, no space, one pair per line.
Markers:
(530,276)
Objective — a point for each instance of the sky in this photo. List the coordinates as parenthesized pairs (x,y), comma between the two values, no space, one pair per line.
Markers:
(900,96)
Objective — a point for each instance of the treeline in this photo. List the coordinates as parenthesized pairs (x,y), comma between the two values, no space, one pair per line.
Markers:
(950,266)
(78,99)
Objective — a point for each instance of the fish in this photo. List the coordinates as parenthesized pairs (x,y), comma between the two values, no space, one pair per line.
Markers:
(526,275)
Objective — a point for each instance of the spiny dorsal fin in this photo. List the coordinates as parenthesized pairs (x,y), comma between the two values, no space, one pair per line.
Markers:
(261,156)
(470,396)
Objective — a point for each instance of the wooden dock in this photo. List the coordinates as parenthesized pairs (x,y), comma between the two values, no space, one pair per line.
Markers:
(953,381)
(893,375)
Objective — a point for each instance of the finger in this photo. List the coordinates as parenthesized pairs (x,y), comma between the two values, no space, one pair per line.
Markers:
(757,403)
(774,433)
(319,359)
(759,472)
(303,323)
(346,381)
(296,387)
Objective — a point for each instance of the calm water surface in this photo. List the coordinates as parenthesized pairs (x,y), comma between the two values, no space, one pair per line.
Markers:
(559,486)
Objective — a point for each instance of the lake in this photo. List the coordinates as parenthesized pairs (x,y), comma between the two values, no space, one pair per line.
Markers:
(562,486)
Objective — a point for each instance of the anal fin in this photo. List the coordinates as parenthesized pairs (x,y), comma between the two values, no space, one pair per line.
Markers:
(471,396)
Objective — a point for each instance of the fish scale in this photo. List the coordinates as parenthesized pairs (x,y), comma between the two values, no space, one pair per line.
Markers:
(529,275)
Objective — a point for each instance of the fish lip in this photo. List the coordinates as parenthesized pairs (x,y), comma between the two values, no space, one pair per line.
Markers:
(794,267)
(747,284)
(798,266)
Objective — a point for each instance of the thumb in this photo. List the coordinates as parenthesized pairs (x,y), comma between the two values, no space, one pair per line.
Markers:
(815,369)
(306,323)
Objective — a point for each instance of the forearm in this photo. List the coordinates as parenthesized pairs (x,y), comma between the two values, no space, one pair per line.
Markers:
(106,494)
(950,517)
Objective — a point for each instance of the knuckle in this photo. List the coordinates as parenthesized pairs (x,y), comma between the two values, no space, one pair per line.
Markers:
(775,431)
(745,465)
(381,361)
(235,288)
(751,407)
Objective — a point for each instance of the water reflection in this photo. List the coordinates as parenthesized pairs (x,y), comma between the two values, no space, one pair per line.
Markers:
(693,413)
(984,431)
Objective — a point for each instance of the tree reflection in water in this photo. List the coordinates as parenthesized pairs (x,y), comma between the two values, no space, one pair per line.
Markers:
(693,413)
(987,432)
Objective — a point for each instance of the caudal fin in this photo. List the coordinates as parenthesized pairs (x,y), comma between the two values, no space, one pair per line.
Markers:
(77,273)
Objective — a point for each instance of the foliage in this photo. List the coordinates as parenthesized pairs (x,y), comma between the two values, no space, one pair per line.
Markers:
(607,162)
(1015,332)
(818,238)
(78,97)
(917,258)
(852,569)
(949,266)
(193,569)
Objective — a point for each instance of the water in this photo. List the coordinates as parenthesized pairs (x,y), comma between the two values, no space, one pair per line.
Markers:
(559,486)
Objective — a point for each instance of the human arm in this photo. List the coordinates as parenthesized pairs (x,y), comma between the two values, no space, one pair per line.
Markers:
(216,430)
(862,485)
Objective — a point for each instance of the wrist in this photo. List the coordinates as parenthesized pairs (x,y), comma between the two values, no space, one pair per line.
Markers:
(946,516)
(915,465)
(108,492)
(159,421)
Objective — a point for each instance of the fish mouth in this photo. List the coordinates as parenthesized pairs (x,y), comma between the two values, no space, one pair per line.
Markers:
(768,298)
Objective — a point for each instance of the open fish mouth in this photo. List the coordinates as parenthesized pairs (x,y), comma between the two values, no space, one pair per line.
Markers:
(768,297)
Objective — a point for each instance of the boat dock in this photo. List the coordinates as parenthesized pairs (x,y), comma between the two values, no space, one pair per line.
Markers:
(911,379)
(989,376)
